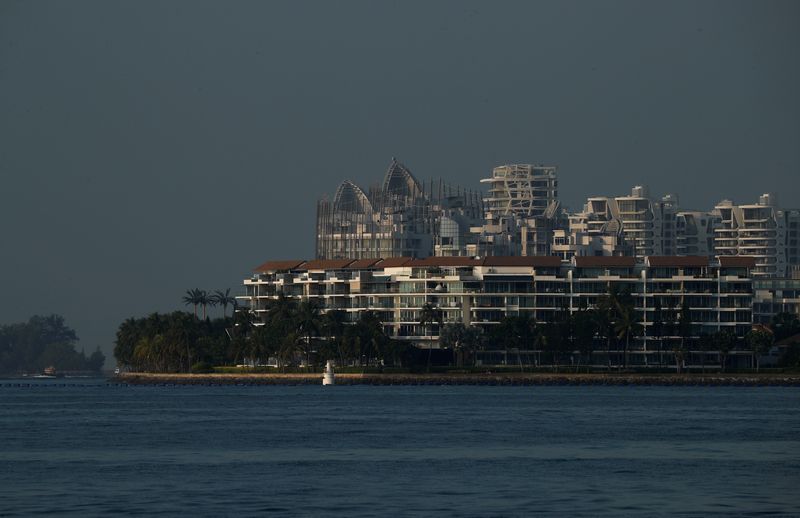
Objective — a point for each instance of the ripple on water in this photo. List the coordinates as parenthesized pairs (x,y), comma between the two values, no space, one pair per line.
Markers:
(368,451)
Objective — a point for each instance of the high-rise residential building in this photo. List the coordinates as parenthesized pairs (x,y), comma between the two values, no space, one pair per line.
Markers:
(522,190)
(580,243)
(646,226)
(694,231)
(403,217)
(595,231)
(522,211)
(761,230)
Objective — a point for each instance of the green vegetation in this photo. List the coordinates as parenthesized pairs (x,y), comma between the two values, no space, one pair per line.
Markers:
(41,342)
(292,335)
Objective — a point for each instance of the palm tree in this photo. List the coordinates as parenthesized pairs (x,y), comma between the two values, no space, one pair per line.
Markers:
(452,337)
(204,300)
(627,325)
(307,324)
(784,325)
(584,329)
(657,329)
(223,298)
(334,324)
(724,341)
(705,344)
(192,298)
(428,316)
(243,322)
(515,332)
(282,310)
(259,345)
(685,326)
(679,350)
(550,339)
(606,317)
(181,336)
(128,335)
(670,325)
(759,341)
(472,341)
(371,336)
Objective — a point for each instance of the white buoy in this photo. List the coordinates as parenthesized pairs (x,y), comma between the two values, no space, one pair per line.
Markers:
(327,378)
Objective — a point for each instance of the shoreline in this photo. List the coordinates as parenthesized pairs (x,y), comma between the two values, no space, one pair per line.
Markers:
(509,379)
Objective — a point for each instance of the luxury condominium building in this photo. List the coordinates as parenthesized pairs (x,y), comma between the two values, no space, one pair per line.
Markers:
(522,190)
(401,217)
(762,231)
(482,291)
(647,226)
(520,215)
(522,211)
(694,232)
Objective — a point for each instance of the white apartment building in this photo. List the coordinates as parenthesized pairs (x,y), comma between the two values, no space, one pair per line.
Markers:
(694,232)
(522,190)
(649,226)
(481,292)
(761,231)
(522,211)
(646,226)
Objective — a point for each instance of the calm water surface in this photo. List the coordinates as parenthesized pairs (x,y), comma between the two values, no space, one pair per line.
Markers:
(86,448)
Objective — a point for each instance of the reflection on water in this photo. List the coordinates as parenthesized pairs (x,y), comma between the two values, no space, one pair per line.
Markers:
(86,448)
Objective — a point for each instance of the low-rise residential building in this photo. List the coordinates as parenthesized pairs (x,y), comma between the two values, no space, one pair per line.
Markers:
(481,292)
(773,295)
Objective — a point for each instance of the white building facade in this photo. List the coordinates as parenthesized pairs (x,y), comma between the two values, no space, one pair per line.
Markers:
(482,292)
(762,231)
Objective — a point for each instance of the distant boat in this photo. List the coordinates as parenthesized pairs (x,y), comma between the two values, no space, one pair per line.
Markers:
(47,373)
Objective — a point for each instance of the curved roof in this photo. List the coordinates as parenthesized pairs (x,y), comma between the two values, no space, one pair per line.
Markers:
(350,198)
(400,182)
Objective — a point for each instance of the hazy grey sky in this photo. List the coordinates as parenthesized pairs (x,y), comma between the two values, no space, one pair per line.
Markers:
(151,147)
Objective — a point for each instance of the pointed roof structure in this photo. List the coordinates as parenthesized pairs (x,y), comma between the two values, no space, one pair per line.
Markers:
(351,198)
(400,182)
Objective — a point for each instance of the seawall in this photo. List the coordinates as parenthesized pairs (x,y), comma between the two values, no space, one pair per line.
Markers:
(751,380)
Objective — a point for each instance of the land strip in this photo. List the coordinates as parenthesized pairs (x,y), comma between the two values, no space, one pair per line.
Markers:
(770,379)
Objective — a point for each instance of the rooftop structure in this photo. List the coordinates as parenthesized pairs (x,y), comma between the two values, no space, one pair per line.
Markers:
(522,190)
(402,217)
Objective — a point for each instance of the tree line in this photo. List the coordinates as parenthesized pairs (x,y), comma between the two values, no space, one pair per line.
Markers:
(291,333)
(42,342)
(608,329)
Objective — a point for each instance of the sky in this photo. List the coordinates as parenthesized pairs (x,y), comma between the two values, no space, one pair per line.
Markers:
(147,147)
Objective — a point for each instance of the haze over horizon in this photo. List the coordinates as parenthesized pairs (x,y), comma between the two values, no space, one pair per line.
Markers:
(149,148)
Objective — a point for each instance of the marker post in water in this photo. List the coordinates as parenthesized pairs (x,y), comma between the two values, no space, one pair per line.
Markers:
(328,377)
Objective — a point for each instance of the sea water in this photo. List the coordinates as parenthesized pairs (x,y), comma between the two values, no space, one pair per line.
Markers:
(89,448)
